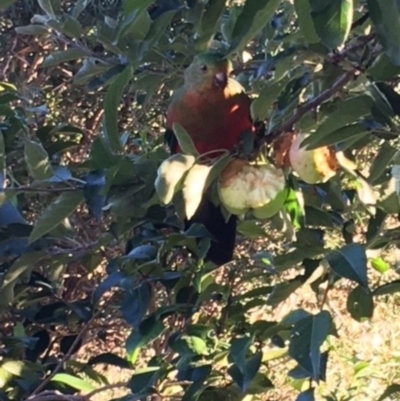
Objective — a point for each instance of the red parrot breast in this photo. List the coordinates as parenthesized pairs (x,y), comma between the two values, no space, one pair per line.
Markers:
(214,119)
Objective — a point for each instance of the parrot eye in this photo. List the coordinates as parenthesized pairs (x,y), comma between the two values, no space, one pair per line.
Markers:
(203,67)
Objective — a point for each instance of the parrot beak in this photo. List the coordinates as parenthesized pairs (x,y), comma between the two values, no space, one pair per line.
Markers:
(220,79)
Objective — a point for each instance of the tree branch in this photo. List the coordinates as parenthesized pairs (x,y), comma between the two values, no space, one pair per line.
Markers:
(312,104)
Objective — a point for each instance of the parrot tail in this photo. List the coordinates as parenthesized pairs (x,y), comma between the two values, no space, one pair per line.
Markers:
(221,250)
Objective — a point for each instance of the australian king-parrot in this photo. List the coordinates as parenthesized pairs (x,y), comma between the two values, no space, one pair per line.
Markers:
(215,111)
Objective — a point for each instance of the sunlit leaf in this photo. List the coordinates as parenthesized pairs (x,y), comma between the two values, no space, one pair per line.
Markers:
(37,160)
(32,29)
(73,381)
(185,141)
(253,18)
(55,213)
(209,21)
(62,56)
(303,10)
(332,20)
(194,185)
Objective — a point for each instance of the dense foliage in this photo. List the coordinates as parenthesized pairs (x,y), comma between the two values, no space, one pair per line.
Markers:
(85,243)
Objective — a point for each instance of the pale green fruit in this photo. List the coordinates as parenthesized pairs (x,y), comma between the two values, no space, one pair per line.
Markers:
(312,166)
(243,187)
(193,187)
(272,207)
(170,173)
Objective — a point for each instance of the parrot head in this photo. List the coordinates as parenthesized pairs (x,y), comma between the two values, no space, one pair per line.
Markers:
(208,70)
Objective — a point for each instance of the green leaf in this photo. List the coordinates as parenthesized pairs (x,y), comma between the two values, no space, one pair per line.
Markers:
(148,331)
(133,25)
(32,29)
(382,104)
(217,168)
(111,103)
(144,379)
(305,21)
(381,162)
(352,131)
(47,7)
(59,57)
(307,395)
(7,87)
(185,141)
(37,160)
(2,156)
(390,390)
(350,262)
(20,268)
(282,291)
(306,338)
(209,23)
(261,106)
(140,5)
(5,378)
(291,259)
(251,369)
(170,175)
(383,69)
(366,195)
(332,20)
(194,391)
(345,112)
(386,289)
(251,229)
(385,17)
(193,187)
(55,213)
(360,304)
(8,97)
(6,3)
(260,383)
(71,27)
(79,6)
(73,381)
(243,377)
(254,17)
(89,69)
(188,346)
(22,369)
(238,350)
(380,265)
(159,27)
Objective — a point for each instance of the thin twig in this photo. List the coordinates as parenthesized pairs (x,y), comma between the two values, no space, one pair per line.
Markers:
(43,190)
(66,357)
